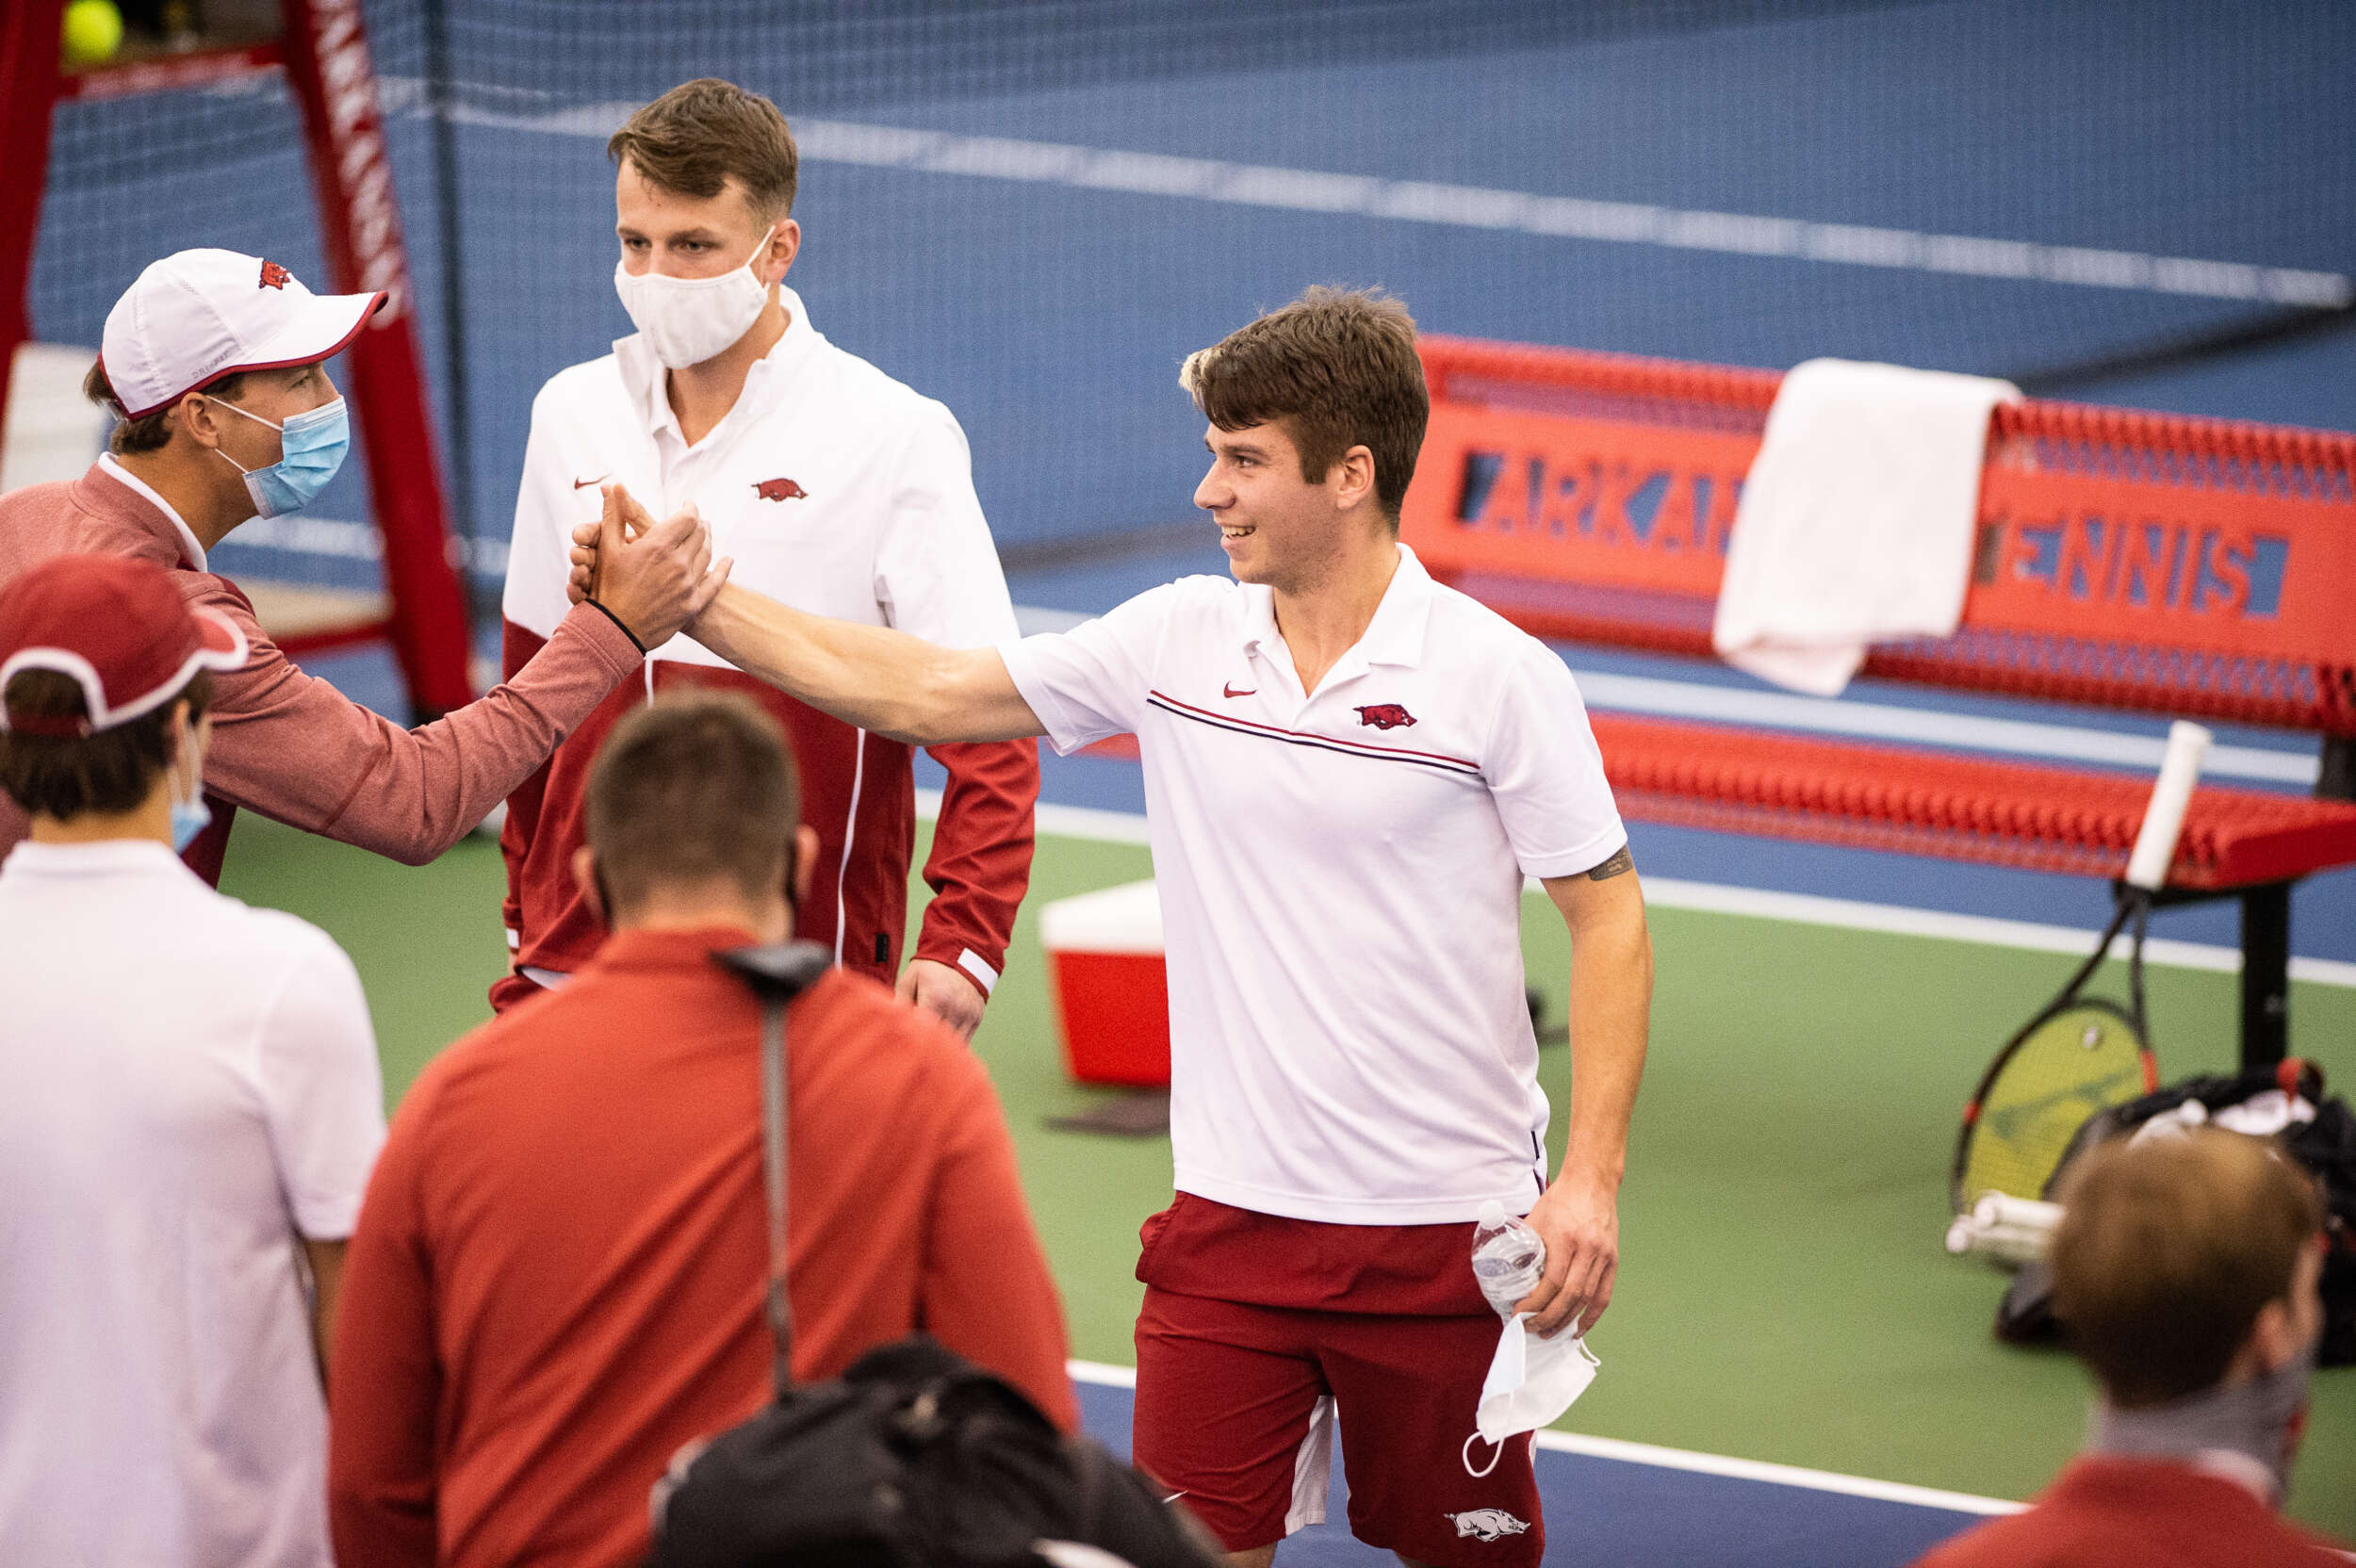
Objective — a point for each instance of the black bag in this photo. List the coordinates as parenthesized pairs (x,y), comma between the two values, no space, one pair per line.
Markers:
(914,1458)
(2326,1147)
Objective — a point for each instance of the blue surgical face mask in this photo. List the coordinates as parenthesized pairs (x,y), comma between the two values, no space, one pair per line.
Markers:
(188,819)
(191,816)
(311,448)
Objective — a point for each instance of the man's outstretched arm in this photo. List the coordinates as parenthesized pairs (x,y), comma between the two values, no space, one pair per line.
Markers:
(882,680)
(873,676)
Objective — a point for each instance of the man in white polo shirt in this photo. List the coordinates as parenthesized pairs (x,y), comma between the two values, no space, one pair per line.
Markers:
(1349,768)
(190,1107)
(835,488)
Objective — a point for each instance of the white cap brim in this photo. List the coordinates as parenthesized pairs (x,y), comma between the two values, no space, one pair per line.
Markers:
(220,646)
(318,328)
(322,327)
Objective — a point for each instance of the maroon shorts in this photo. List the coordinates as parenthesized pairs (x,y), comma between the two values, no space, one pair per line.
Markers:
(1236,1398)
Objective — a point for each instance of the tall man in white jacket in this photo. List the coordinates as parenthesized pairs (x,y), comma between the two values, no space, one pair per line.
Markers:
(836,490)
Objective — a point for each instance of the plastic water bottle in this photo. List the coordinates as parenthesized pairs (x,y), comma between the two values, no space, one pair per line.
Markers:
(1507,1258)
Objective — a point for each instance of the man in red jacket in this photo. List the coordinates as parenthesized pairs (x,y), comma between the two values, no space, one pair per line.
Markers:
(558,1275)
(835,489)
(2186,1268)
(216,363)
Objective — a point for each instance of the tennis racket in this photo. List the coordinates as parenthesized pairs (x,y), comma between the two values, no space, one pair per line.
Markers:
(2079,1055)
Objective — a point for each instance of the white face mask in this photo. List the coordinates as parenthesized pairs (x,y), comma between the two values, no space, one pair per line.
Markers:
(688,320)
(1532,1382)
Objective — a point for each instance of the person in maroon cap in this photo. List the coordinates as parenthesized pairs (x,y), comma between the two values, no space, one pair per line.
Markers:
(216,363)
(189,1106)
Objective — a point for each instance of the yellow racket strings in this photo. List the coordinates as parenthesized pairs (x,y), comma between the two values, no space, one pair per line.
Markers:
(2081,1060)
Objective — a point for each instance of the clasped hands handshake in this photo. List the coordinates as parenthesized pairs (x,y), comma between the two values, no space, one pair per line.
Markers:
(654,578)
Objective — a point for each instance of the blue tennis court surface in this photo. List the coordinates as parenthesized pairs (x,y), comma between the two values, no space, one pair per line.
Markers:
(1643,1516)
(1999,187)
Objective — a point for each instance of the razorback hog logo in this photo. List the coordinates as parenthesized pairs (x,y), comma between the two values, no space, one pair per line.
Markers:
(1488,1524)
(273,276)
(780,490)
(1386,715)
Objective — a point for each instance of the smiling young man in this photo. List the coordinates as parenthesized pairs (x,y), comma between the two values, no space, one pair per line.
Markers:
(835,488)
(1349,768)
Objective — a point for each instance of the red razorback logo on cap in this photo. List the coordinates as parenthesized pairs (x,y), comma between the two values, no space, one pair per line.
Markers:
(273,276)
(780,490)
(1386,716)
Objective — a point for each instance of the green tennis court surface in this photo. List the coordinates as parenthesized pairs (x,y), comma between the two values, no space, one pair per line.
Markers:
(1783,1294)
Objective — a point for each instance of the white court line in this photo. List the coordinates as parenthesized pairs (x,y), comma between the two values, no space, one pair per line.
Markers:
(1669,893)
(1774,1475)
(1849,914)
(1032,619)
(1070,822)
(1482,208)
(1106,1376)
(1637,694)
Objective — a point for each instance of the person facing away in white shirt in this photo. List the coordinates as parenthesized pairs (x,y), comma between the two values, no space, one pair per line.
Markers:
(189,1106)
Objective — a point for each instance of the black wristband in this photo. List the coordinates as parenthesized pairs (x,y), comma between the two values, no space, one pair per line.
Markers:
(618,621)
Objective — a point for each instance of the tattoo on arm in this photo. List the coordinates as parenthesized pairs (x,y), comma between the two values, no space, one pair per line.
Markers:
(1619,862)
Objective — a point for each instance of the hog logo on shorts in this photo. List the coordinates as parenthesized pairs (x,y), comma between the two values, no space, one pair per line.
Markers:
(1487,1524)
(1386,715)
(780,490)
(273,276)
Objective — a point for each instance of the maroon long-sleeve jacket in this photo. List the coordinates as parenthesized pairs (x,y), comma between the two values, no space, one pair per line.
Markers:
(293,747)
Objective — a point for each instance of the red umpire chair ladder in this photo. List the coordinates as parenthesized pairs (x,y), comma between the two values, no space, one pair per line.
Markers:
(323,52)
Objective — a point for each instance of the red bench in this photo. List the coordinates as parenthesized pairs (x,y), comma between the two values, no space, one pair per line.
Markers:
(2127,561)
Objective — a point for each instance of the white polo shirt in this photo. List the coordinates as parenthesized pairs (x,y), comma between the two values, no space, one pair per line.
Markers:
(837,489)
(186,1084)
(1341,880)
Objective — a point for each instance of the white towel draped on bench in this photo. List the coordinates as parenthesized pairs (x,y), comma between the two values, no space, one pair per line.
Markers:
(1857,519)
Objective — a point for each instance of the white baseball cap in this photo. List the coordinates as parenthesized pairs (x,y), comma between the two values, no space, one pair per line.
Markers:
(198,315)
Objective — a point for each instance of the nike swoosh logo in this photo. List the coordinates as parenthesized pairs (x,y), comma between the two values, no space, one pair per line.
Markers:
(585,484)
(1171,1498)
(1230,692)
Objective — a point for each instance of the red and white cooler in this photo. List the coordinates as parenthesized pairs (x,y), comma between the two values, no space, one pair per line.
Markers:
(1112,994)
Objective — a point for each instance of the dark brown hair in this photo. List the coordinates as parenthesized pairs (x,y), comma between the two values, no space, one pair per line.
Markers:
(108,772)
(1337,367)
(2166,1252)
(149,432)
(690,789)
(694,137)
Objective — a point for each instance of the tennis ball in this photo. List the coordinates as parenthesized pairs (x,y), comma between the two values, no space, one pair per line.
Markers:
(93,31)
